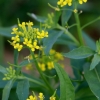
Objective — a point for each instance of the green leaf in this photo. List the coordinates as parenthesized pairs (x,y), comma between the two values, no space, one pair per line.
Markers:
(49,42)
(2,82)
(37,18)
(79,53)
(77,66)
(89,41)
(95,61)
(3,69)
(85,94)
(66,88)
(25,62)
(23,89)
(5,31)
(56,17)
(6,90)
(93,79)
(66,14)
(65,40)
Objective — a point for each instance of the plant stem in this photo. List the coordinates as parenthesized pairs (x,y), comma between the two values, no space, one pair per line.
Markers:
(68,33)
(41,74)
(79,28)
(90,22)
(32,80)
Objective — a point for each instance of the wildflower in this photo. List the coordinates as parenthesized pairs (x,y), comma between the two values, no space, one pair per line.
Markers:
(15,39)
(42,66)
(28,35)
(32,98)
(64,2)
(42,34)
(14,30)
(34,46)
(50,65)
(52,98)
(82,1)
(41,96)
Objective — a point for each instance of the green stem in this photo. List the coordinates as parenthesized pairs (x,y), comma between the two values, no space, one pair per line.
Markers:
(41,74)
(79,28)
(90,23)
(68,34)
(32,80)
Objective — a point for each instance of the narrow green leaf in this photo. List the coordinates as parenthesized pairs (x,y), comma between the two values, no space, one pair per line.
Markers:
(66,14)
(3,69)
(6,90)
(95,61)
(66,88)
(49,42)
(79,53)
(93,79)
(37,18)
(23,89)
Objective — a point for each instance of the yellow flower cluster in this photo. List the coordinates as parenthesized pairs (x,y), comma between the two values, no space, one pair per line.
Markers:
(41,97)
(63,3)
(48,62)
(45,62)
(82,1)
(26,35)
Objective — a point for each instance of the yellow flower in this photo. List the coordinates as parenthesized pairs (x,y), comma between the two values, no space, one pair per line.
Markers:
(29,24)
(14,30)
(50,65)
(15,39)
(34,46)
(27,42)
(42,34)
(32,98)
(23,26)
(42,66)
(52,98)
(64,2)
(18,46)
(58,56)
(82,1)
(41,96)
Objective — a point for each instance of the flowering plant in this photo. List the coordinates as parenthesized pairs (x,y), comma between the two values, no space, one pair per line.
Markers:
(52,81)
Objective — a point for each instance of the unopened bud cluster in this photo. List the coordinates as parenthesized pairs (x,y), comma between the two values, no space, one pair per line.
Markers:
(10,74)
